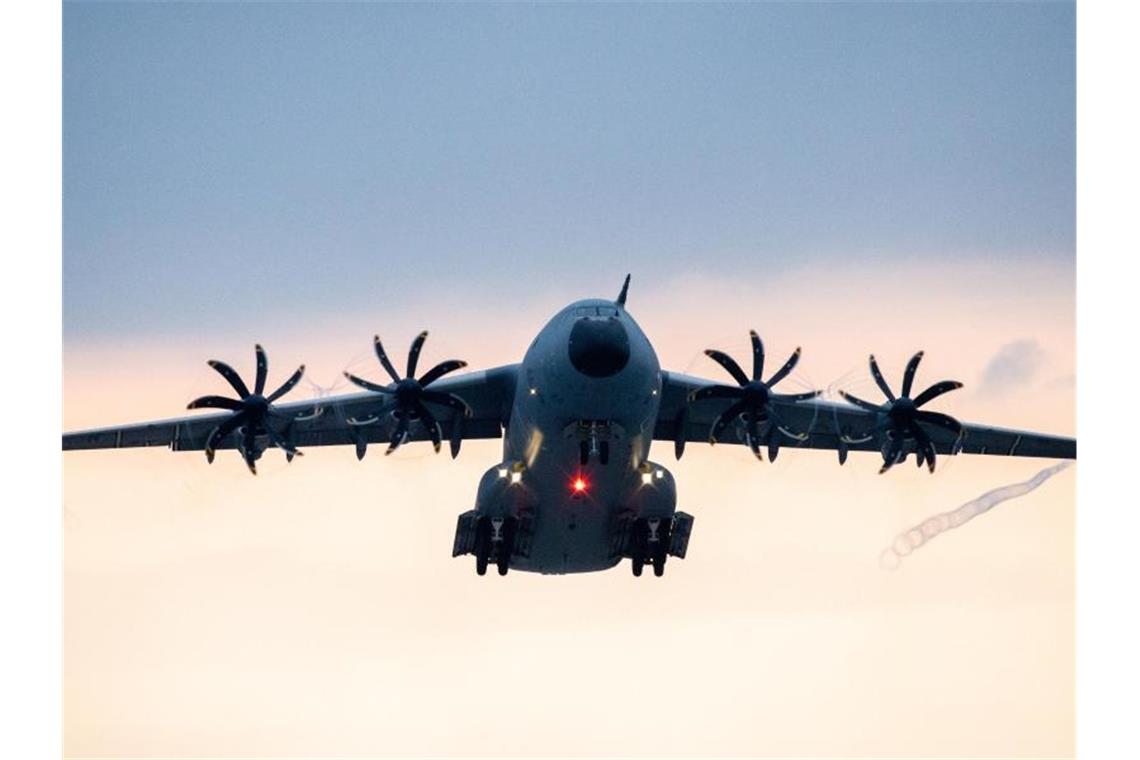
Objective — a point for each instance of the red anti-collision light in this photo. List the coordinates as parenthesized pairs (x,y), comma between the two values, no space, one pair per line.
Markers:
(578,485)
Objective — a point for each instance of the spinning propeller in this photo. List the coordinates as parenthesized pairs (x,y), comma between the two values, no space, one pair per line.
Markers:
(902,417)
(406,397)
(251,411)
(751,397)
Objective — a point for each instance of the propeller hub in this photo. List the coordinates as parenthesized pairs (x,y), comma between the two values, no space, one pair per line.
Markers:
(256,404)
(408,390)
(901,410)
(756,393)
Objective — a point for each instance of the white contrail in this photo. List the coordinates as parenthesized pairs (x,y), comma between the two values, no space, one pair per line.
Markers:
(909,540)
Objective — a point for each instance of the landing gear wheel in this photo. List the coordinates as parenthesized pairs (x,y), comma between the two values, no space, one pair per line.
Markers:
(506,546)
(638,564)
(604,452)
(661,549)
(583,453)
(482,545)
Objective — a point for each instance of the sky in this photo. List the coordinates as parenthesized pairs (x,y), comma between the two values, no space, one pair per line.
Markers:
(846,177)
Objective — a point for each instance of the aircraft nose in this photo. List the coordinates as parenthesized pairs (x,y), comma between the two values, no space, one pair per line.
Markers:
(599,346)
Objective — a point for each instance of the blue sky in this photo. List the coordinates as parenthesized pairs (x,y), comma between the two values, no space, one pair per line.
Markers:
(227,163)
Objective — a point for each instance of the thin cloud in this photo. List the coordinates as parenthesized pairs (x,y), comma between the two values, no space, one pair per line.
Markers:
(1015,364)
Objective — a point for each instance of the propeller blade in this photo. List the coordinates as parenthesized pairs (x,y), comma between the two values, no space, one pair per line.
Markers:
(375,416)
(880,380)
(214,402)
(366,384)
(908,374)
(716,391)
(231,377)
(382,355)
(860,402)
(280,442)
(941,420)
(429,421)
(936,390)
(414,353)
(361,448)
(447,399)
(456,438)
(220,433)
(679,431)
(925,447)
(288,385)
(757,355)
(262,370)
(440,370)
(773,442)
(754,438)
(784,371)
(727,416)
(729,364)
(249,449)
(398,434)
(793,397)
(891,458)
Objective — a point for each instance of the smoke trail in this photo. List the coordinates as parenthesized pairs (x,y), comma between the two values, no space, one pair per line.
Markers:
(909,540)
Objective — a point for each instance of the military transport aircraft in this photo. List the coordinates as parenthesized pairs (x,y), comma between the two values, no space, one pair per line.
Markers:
(576,490)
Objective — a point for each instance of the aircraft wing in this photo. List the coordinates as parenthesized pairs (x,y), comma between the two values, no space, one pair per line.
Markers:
(325,421)
(839,426)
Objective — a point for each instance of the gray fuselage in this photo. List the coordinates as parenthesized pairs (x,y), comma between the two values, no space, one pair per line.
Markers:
(588,391)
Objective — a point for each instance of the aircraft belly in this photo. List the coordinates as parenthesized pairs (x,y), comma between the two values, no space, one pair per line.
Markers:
(567,539)
(571,534)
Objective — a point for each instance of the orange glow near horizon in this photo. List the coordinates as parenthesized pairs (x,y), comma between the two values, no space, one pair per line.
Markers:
(315,610)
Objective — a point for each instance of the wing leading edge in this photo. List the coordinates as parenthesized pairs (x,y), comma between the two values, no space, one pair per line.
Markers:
(325,421)
(840,427)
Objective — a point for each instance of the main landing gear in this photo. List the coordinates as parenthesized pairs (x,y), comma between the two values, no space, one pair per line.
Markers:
(494,542)
(649,542)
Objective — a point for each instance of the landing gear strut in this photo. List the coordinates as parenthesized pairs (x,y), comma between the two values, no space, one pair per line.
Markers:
(494,538)
(506,544)
(639,546)
(482,545)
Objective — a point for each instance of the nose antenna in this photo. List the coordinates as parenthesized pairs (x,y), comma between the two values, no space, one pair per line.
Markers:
(624,291)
